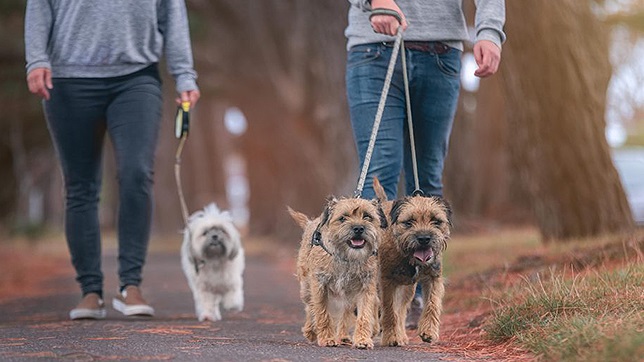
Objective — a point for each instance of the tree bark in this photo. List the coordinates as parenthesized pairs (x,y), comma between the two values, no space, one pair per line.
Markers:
(556,72)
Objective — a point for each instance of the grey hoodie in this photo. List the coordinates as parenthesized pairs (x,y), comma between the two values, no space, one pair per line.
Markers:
(431,20)
(108,38)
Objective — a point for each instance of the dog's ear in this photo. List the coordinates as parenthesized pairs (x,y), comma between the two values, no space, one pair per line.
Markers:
(299,217)
(328,210)
(381,213)
(381,195)
(447,207)
(233,252)
(395,209)
(316,238)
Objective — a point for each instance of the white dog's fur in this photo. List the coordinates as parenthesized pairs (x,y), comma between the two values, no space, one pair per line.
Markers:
(212,258)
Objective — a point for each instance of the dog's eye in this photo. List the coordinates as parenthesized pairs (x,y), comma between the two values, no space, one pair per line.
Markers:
(367,217)
(408,223)
(342,219)
(436,221)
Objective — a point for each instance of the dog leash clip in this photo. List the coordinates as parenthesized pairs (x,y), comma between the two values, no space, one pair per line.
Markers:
(182,120)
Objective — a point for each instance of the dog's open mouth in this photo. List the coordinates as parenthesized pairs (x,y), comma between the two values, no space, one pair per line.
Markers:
(424,254)
(357,243)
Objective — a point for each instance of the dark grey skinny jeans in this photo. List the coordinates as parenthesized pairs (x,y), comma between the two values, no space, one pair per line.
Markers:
(79,113)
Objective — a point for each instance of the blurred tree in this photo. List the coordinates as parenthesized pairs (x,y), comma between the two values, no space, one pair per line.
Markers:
(556,72)
(282,63)
(25,150)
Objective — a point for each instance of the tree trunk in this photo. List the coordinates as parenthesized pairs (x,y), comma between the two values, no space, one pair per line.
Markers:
(556,72)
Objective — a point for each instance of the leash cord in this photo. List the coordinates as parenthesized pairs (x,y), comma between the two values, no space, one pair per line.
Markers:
(177,177)
(399,46)
(410,123)
(380,111)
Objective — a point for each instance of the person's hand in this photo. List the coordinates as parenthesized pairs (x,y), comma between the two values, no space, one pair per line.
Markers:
(191,96)
(387,24)
(39,82)
(488,57)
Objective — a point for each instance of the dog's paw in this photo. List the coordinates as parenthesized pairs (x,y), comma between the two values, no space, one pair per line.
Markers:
(429,337)
(327,342)
(203,317)
(235,308)
(393,341)
(309,334)
(366,344)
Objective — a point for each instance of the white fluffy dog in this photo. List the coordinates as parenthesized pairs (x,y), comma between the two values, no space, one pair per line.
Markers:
(212,258)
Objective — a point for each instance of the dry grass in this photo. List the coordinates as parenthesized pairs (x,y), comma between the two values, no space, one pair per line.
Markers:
(582,300)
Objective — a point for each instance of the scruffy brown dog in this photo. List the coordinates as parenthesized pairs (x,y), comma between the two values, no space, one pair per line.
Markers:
(411,253)
(337,267)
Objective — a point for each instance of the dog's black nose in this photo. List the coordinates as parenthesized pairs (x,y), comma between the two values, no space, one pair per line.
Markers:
(358,229)
(424,239)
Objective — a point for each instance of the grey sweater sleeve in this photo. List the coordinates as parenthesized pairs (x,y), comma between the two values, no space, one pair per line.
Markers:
(173,24)
(489,21)
(362,4)
(38,21)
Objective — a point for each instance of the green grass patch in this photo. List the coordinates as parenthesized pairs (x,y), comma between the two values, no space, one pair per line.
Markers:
(596,317)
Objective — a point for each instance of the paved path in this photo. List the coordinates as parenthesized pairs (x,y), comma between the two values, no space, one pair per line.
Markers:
(267,330)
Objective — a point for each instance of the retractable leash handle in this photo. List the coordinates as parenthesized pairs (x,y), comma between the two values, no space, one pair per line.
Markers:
(182,120)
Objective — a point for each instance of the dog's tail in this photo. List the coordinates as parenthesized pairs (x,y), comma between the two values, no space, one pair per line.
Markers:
(299,217)
(379,190)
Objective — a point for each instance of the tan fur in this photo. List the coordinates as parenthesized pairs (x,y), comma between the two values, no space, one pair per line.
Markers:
(333,286)
(411,220)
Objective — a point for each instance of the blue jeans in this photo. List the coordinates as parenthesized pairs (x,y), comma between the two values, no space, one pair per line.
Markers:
(434,88)
(79,113)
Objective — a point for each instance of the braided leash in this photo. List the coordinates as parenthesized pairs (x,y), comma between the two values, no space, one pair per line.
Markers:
(399,45)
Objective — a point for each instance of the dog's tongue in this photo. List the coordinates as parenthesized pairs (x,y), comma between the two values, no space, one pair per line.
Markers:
(357,242)
(424,255)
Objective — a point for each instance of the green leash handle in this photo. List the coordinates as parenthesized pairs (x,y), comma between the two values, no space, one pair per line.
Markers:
(383,11)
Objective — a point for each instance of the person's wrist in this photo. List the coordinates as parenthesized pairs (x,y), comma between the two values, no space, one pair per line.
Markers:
(382,4)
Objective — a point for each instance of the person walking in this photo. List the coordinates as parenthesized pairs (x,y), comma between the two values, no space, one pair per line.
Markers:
(434,33)
(95,64)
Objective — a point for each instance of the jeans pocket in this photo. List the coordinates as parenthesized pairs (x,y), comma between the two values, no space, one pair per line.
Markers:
(362,54)
(449,63)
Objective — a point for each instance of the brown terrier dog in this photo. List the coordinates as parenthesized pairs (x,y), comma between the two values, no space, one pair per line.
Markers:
(337,267)
(411,253)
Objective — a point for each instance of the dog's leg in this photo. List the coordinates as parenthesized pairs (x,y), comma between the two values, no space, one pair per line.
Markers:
(234,299)
(325,328)
(346,322)
(429,323)
(309,327)
(376,316)
(308,330)
(403,299)
(364,322)
(209,306)
(390,319)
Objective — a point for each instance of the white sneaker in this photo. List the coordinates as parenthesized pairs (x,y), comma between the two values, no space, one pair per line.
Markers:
(90,307)
(131,302)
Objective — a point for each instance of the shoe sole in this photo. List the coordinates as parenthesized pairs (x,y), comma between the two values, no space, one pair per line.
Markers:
(87,314)
(130,310)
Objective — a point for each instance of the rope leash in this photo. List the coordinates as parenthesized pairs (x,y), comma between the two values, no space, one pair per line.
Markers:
(182,125)
(410,123)
(399,46)
(379,112)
